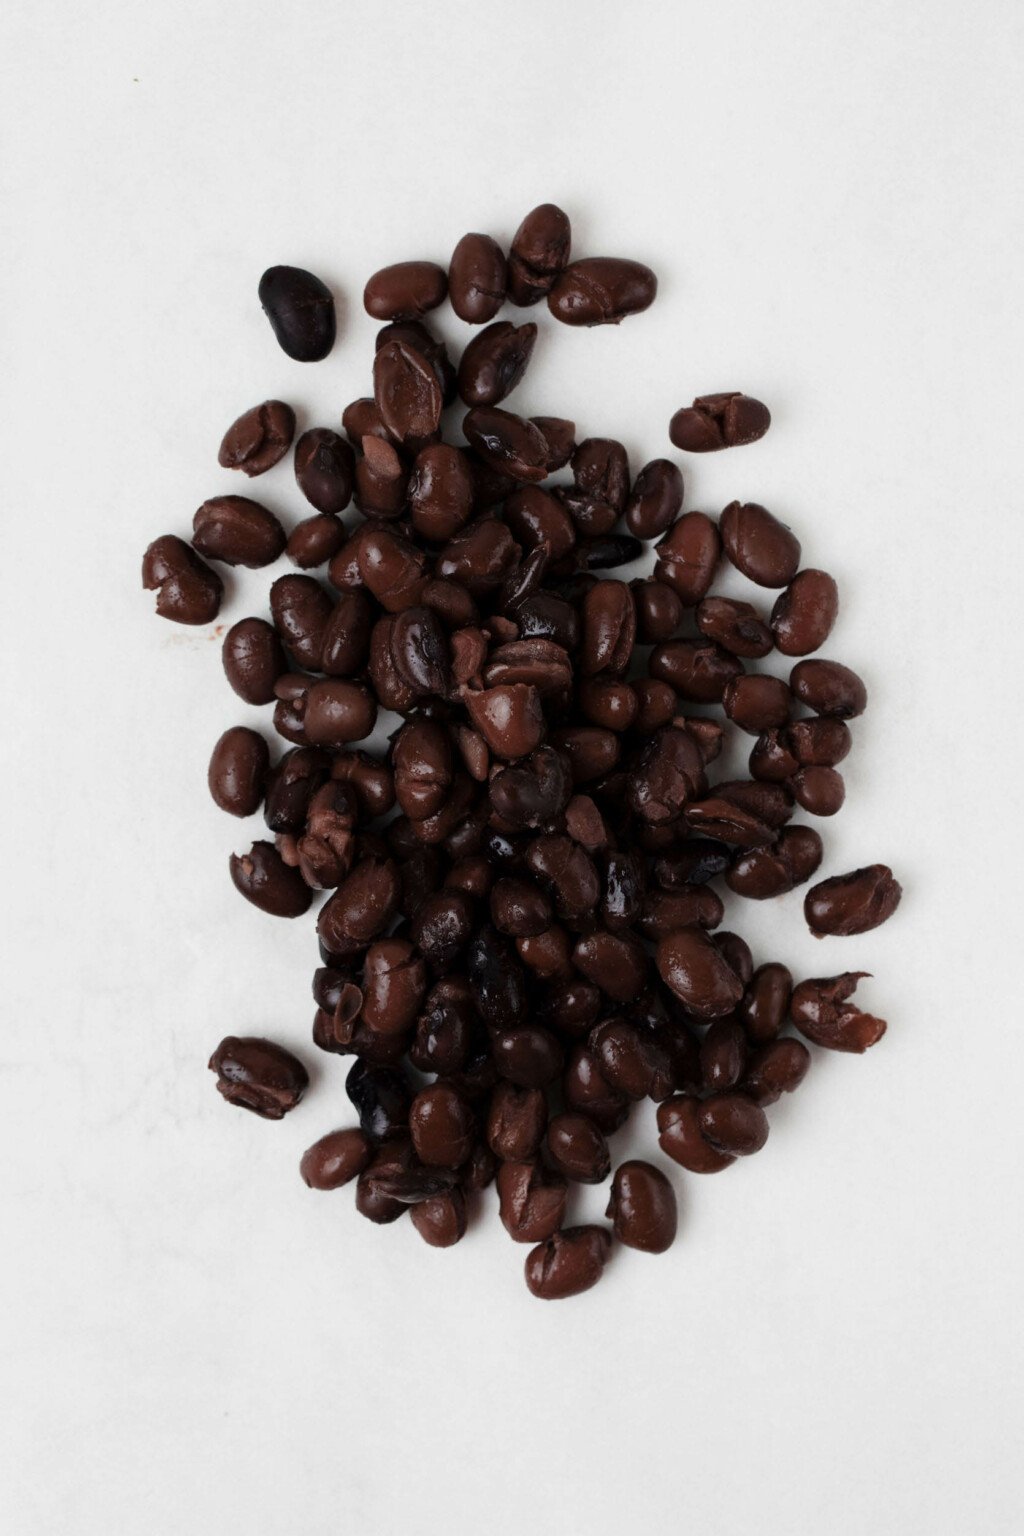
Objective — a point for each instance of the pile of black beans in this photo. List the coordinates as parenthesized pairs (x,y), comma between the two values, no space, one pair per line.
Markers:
(522,934)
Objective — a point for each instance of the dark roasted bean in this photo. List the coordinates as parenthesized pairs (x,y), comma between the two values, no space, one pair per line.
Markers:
(361,907)
(535,517)
(188,591)
(237,531)
(600,470)
(623,890)
(441,1220)
(736,952)
(585,1088)
(602,290)
(519,908)
(617,963)
(324,469)
(500,987)
(440,492)
(819,743)
(262,877)
(560,436)
(663,912)
(336,1159)
(529,1056)
(688,557)
(669,773)
(516,1121)
(509,717)
(823,1013)
(531,1201)
(258,1075)
(391,1161)
(609,628)
(819,790)
(692,968)
(659,611)
(291,787)
(301,610)
(852,903)
(616,549)
(805,612)
(238,771)
(568,1263)
(405,291)
(507,443)
(764,549)
(494,362)
(696,862)
(314,541)
(422,761)
(392,568)
(301,310)
(394,982)
(655,500)
(539,252)
(258,439)
(415,334)
(774,1069)
(443,1127)
(337,712)
(419,646)
(443,925)
(719,421)
(253,659)
(345,637)
(757,703)
(407,391)
(642,1208)
(772,760)
(477,279)
(829,689)
(736,626)
(733,1123)
(631,1059)
(381,480)
(568,871)
(480,558)
(382,1097)
(578,1149)
(723,1055)
(698,670)
(764,1007)
(680,1137)
(444,1029)
(361,419)
(776,868)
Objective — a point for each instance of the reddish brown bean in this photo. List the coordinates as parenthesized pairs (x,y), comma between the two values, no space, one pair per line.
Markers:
(477,279)
(764,549)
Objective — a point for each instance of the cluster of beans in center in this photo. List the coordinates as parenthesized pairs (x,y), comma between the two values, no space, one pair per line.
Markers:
(522,934)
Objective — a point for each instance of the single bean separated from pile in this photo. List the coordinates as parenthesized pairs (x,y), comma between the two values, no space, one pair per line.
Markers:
(521,937)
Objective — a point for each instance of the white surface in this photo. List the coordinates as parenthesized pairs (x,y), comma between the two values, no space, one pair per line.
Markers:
(191,1341)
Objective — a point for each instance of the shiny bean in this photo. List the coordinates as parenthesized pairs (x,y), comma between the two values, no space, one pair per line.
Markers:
(477,279)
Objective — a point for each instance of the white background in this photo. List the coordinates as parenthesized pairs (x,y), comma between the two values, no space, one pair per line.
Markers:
(192,1341)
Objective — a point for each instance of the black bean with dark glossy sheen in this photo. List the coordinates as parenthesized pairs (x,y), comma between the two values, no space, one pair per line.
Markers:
(301,310)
